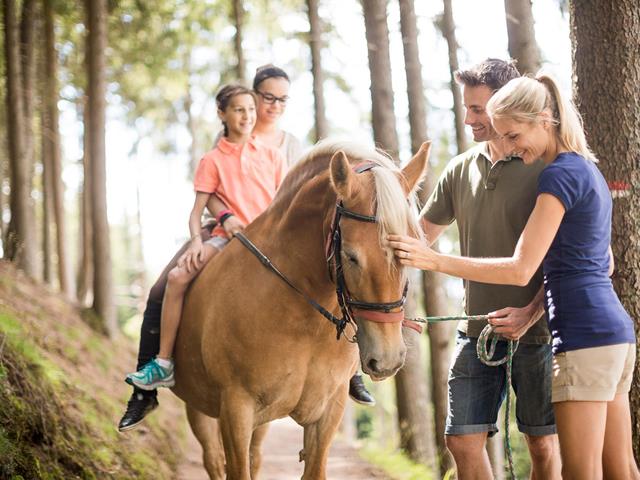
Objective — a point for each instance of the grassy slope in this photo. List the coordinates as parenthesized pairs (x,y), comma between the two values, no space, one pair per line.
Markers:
(61,395)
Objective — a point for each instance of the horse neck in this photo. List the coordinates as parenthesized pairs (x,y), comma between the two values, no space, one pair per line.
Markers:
(297,236)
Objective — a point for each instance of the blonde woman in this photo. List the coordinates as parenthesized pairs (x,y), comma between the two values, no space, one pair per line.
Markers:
(569,232)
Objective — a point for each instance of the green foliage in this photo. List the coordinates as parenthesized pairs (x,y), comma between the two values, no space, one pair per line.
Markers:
(52,429)
(397,465)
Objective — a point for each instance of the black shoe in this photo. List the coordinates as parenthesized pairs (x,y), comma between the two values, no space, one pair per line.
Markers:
(138,407)
(359,393)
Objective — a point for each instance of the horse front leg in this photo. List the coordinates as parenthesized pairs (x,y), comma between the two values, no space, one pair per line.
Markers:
(207,431)
(236,424)
(255,450)
(318,436)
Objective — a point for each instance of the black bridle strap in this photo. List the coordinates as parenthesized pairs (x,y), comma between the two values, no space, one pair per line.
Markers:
(345,212)
(340,324)
(381,307)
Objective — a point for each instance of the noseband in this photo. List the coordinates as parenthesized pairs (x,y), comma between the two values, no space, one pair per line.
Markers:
(373,312)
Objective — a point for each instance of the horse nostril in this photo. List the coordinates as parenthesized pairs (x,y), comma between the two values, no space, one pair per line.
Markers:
(373,365)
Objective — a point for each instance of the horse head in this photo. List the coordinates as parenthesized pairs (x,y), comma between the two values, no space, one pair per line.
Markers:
(375,203)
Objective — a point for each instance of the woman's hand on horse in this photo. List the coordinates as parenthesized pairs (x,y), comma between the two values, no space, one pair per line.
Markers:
(412,252)
(232,226)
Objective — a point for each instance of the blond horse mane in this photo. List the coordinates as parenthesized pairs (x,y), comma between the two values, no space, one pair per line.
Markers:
(396,214)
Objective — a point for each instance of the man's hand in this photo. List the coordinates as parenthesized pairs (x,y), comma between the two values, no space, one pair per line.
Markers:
(232,226)
(512,323)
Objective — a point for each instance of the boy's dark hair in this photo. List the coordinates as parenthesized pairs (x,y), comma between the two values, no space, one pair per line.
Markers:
(226,93)
(493,72)
(268,71)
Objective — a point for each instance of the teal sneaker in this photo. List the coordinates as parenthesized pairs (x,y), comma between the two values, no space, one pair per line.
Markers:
(152,376)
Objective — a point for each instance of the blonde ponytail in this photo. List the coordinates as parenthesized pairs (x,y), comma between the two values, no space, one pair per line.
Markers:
(570,129)
(524,99)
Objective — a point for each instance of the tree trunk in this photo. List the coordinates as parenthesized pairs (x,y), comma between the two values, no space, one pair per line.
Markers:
(103,301)
(495,449)
(522,36)
(412,400)
(382,112)
(448,28)
(315,43)
(606,71)
(47,210)
(192,128)
(28,70)
(440,351)
(84,289)
(238,21)
(52,145)
(21,246)
(418,129)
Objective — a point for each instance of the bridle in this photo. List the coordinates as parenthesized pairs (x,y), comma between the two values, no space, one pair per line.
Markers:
(391,312)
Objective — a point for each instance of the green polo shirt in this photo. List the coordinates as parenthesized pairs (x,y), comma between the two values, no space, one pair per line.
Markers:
(491,205)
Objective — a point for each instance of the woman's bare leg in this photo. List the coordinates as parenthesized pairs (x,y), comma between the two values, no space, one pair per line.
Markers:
(617,455)
(581,429)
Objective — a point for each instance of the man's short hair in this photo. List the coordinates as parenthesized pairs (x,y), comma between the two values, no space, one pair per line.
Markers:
(493,72)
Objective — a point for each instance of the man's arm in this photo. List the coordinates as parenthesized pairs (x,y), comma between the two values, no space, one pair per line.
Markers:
(432,231)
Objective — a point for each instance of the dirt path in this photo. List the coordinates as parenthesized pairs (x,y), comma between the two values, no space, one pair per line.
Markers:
(281,448)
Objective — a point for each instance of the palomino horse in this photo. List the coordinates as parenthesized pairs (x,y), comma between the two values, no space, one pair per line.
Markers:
(252,349)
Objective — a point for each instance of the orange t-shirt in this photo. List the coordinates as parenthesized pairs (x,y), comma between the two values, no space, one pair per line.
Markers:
(245,177)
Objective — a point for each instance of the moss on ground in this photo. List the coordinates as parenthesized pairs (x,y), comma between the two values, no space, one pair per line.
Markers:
(54,422)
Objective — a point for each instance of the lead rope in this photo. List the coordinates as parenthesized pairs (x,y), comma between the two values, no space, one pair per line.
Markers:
(485,355)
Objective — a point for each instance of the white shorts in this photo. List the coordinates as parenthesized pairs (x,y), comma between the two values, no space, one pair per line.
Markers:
(217,242)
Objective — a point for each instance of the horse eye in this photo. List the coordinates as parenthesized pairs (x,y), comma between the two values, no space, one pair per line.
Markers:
(352,259)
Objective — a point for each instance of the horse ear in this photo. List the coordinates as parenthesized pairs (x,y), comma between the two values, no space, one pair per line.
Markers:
(341,174)
(416,169)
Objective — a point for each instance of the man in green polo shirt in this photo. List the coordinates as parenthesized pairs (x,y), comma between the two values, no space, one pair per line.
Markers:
(490,196)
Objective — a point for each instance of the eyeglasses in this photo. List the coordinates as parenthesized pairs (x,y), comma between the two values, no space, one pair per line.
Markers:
(270,99)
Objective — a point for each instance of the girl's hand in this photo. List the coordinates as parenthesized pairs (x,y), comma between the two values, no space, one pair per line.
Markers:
(232,226)
(412,252)
(192,259)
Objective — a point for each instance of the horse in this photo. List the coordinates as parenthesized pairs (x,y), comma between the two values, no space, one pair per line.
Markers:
(252,348)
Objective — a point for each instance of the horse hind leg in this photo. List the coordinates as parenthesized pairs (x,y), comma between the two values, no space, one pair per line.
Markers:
(255,450)
(318,437)
(207,430)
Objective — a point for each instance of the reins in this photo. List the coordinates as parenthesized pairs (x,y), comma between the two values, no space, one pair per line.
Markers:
(340,324)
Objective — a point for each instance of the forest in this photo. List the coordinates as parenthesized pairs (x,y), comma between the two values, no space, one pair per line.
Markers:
(109,108)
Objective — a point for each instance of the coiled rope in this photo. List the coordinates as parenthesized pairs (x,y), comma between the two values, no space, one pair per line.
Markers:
(485,349)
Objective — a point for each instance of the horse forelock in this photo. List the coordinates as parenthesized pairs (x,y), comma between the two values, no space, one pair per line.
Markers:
(395,213)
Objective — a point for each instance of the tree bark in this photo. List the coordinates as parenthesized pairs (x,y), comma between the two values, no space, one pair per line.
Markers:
(418,130)
(84,290)
(448,29)
(238,21)
(315,44)
(606,72)
(28,69)
(412,400)
(47,210)
(21,246)
(383,117)
(522,36)
(103,300)
(52,145)
(440,351)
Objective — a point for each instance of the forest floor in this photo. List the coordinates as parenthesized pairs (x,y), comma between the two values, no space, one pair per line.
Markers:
(281,447)
(62,394)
